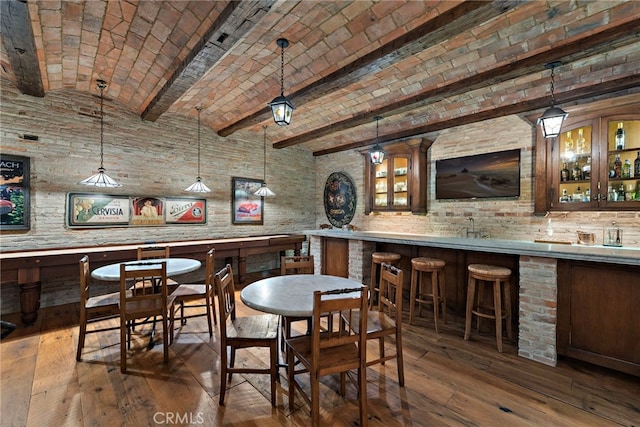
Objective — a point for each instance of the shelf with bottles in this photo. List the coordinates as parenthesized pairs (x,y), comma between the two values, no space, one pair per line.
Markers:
(574,193)
(624,190)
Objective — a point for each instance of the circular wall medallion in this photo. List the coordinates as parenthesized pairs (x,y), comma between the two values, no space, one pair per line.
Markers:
(339,199)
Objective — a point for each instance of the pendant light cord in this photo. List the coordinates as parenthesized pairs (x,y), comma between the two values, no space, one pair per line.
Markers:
(264,169)
(199,108)
(553,97)
(101,86)
(282,70)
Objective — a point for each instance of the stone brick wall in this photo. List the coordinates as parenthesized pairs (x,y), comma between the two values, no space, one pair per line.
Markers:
(538,309)
(148,158)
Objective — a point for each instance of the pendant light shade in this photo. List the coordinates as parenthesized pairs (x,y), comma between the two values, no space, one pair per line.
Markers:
(101,179)
(264,190)
(376,153)
(281,107)
(552,119)
(198,186)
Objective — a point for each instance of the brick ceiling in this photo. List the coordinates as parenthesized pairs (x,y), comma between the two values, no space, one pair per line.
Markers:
(422,66)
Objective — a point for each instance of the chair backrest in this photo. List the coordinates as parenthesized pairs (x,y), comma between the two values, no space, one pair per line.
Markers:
(85,281)
(137,275)
(342,302)
(298,264)
(226,298)
(390,298)
(210,272)
(153,252)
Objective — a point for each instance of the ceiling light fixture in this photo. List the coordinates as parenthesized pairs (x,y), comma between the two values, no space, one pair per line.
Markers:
(551,120)
(198,186)
(101,179)
(281,107)
(377,153)
(264,190)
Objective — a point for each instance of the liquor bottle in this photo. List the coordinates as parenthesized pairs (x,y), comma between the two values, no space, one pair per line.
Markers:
(564,173)
(565,196)
(576,173)
(626,169)
(620,137)
(580,142)
(617,167)
(586,169)
(636,166)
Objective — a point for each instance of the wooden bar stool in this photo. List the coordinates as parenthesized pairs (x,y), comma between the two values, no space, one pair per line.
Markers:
(501,309)
(377,258)
(419,295)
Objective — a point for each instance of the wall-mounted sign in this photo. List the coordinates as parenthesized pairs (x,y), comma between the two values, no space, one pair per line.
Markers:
(246,207)
(86,210)
(339,199)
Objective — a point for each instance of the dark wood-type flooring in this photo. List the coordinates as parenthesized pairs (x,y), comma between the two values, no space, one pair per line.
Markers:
(448,382)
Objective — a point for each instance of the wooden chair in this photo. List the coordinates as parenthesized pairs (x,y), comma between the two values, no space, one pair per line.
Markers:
(142,302)
(187,292)
(386,321)
(157,252)
(329,352)
(243,332)
(298,264)
(94,309)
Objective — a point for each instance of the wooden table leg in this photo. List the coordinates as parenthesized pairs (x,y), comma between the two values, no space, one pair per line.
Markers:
(30,302)
(30,287)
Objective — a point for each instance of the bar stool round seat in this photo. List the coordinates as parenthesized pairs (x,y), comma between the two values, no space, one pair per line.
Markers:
(499,277)
(377,258)
(419,295)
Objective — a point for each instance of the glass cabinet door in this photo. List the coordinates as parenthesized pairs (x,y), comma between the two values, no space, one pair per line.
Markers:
(400,182)
(623,161)
(380,195)
(575,175)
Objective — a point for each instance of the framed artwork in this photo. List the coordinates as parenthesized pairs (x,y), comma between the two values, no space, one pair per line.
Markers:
(246,207)
(86,210)
(97,210)
(480,176)
(339,199)
(185,211)
(14,192)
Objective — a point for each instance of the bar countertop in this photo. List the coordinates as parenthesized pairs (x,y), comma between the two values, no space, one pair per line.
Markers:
(593,253)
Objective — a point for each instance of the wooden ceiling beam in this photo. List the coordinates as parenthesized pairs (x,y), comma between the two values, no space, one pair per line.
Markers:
(606,90)
(18,40)
(566,52)
(463,17)
(235,21)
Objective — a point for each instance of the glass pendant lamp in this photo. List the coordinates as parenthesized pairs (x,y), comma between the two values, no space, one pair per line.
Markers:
(101,179)
(264,190)
(198,186)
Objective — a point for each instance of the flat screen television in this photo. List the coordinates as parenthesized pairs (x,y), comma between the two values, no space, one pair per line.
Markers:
(480,176)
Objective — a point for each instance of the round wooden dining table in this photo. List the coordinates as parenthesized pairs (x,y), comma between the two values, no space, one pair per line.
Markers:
(175,267)
(292,295)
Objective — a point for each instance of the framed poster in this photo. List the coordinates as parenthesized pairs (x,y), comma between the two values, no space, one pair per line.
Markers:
(147,211)
(480,176)
(97,210)
(14,192)
(246,207)
(185,211)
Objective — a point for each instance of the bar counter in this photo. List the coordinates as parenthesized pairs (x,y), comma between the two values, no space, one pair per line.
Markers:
(569,300)
(594,253)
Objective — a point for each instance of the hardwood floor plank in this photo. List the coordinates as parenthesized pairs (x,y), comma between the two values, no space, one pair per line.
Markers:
(449,382)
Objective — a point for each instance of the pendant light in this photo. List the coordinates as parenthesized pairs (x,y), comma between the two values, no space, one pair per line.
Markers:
(376,153)
(551,120)
(101,179)
(198,186)
(264,190)
(281,107)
